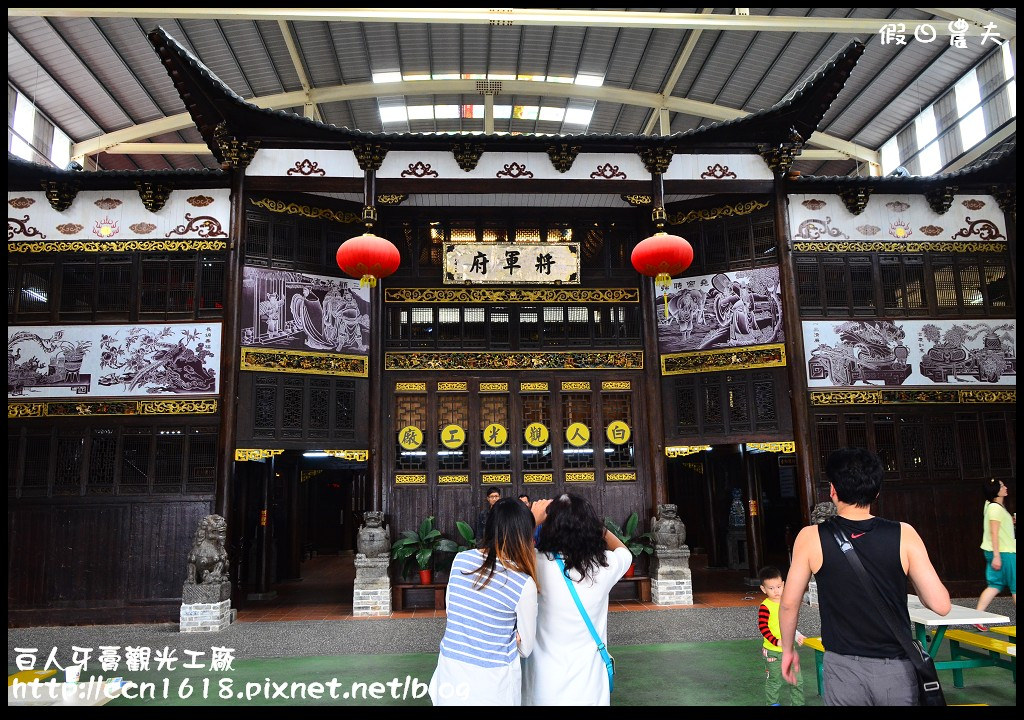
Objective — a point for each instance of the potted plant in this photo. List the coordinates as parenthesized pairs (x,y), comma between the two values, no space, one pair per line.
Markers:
(636,544)
(419,546)
(465,540)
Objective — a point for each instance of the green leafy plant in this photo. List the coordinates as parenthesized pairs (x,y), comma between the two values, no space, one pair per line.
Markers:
(467,541)
(418,546)
(637,544)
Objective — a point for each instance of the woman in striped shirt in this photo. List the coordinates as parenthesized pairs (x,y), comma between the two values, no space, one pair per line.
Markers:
(492,614)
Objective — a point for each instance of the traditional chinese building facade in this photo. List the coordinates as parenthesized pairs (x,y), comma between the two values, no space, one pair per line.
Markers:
(515,347)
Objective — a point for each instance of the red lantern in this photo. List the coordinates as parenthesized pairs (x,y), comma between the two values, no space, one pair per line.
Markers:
(368,257)
(661,256)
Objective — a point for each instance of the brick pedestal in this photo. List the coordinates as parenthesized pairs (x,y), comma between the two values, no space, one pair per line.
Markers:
(206,607)
(671,581)
(371,595)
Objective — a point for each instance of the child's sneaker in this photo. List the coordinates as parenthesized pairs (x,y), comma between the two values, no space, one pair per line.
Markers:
(980,628)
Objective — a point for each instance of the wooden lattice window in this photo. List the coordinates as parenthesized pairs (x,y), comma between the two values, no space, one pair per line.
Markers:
(294,410)
(997,442)
(969,435)
(914,450)
(686,406)
(102,461)
(902,283)
(170,452)
(202,460)
(577,408)
(885,442)
(766,416)
(136,451)
(115,282)
(411,410)
(345,409)
(827,429)
(70,461)
(537,409)
(264,423)
(494,409)
(618,406)
(319,407)
(453,409)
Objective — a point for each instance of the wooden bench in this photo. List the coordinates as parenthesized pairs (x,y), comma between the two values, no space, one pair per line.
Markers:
(1008,630)
(639,588)
(994,649)
(399,591)
(819,661)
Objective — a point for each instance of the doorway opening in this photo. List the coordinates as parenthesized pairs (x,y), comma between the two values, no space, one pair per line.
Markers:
(298,517)
(729,536)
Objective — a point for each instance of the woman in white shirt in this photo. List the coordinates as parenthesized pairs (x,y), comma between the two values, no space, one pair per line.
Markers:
(491,614)
(566,667)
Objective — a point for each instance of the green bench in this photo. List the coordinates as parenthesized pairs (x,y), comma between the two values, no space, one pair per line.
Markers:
(819,661)
(966,657)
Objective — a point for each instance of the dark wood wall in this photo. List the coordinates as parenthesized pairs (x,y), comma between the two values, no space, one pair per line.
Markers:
(87,560)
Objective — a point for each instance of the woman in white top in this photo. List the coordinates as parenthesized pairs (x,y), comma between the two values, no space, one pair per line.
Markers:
(491,614)
(566,667)
(999,543)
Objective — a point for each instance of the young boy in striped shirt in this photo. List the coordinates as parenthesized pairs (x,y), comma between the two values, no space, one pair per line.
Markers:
(768,623)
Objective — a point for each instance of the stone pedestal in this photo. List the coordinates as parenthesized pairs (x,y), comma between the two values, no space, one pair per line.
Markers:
(811,596)
(671,581)
(205,608)
(372,593)
(736,544)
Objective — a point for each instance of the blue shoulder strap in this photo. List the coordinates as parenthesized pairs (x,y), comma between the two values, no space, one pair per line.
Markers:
(609,661)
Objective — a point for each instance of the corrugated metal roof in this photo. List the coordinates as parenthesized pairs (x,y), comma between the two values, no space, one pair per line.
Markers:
(94,76)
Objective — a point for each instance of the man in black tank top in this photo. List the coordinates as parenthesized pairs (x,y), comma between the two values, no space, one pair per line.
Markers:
(864,663)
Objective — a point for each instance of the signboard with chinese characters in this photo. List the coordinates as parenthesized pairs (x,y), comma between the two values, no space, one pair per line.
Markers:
(512,264)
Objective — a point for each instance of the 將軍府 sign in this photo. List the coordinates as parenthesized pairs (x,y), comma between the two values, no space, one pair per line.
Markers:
(511,264)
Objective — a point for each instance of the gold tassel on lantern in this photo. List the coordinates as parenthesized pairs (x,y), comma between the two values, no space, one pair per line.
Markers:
(367,280)
(664,281)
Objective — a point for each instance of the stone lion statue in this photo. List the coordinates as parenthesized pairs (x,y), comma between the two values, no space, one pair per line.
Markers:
(668,530)
(208,559)
(822,512)
(372,540)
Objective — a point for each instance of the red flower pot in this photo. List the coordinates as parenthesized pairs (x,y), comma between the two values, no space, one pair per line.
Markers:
(426,577)
(632,569)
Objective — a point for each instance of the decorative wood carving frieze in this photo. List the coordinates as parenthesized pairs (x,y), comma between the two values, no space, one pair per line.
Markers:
(60,195)
(392,199)
(656,159)
(910,396)
(467,155)
(1007,199)
(940,199)
(153,195)
(745,208)
(88,408)
(236,153)
(779,158)
(369,155)
(855,199)
(637,200)
(563,156)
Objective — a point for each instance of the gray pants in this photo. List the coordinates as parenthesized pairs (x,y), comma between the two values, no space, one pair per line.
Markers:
(853,680)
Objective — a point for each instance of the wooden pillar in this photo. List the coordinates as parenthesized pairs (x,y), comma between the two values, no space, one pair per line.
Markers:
(294,556)
(230,357)
(262,590)
(755,529)
(652,385)
(795,361)
(375,465)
